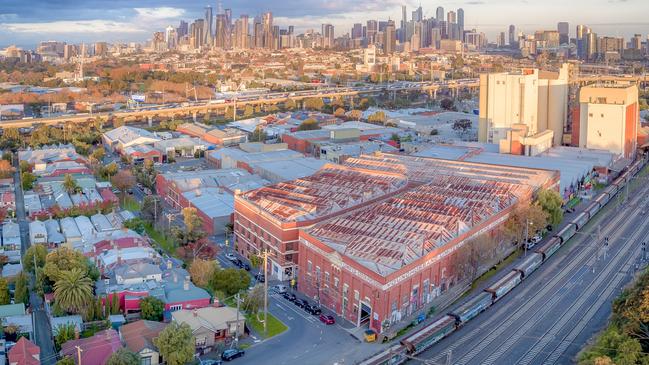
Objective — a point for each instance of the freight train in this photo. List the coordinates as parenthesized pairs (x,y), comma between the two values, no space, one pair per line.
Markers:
(432,333)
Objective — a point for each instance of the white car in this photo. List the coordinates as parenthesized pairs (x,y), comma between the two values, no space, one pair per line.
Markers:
(280,289)
(230,256)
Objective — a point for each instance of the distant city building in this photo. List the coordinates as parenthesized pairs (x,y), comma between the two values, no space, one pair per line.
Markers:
(564,32)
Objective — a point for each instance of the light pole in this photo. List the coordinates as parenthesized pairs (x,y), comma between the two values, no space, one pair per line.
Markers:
(527,235)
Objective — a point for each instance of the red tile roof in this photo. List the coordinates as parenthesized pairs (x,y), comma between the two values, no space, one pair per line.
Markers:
(24,353)
(95,350)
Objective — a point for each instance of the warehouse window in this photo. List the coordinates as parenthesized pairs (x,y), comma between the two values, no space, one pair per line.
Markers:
(326,277)
(309,267)
(336,282)
(357,295)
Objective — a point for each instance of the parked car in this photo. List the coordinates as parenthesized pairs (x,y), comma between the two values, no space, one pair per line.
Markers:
(327,319)
(280,289)
(300,303)
(230,256)
(231,354)
(260,278)
(313,309)
(211,362)
(289,296)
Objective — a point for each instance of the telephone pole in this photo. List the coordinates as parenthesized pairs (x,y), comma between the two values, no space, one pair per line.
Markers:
(265,293)
(236,335)
(79,350)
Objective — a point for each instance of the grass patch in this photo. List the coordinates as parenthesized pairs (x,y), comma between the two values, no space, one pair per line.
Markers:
(275,326)
(129,203)
(494,270)
(244,346)
(166,243)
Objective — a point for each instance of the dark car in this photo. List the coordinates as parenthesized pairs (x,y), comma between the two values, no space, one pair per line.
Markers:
(326,319)
(231,354)
(300,303)
(211,362)
(312,309)
(242,265)
(289,296)
(260,277)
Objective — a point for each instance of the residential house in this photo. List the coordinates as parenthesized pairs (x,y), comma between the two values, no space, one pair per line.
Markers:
(138,337)
(11,236)
(24,352)
(211,325)
(95,350)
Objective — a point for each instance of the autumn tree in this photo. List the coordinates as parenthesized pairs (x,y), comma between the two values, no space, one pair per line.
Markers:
(340,112)
(123,180)
(355,114)
(525,215)
(314,103)
(290,104)
(377,117)
(248,111)
(193,225)
(201,271)
(308,125)
(6,170)
(5,297)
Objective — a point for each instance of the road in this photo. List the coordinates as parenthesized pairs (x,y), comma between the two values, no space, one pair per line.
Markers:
(202,106)
(549,317)
(40,320)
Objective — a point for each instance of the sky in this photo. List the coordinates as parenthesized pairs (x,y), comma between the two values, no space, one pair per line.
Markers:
(26,22)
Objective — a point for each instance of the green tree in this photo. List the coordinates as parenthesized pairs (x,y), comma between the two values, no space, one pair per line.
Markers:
(73,290)
(193,225)
(176,344)
(151,208)
(151,308)
(21,293)
(25,166)
(551,202)
(66,361)
(109,170)
(308,125)
(98,154)
(64,259)
(40,251)
(64,333)
(229,281)
(258,135)
(254,299)
(28,180)
(5,297)
(123,356)
(70,184)
(248,111)
(114,303)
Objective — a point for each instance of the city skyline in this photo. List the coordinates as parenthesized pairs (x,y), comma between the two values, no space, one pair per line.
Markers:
(92,21)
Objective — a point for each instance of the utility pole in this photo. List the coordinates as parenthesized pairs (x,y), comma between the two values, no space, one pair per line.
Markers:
(236,335)
(527,234)
(265,293)
(78,355)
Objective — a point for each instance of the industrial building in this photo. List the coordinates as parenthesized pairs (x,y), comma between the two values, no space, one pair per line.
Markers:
(530,101)
(609,118)
(290,218)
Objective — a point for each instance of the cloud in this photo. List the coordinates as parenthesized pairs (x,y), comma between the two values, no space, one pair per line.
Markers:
(161,13)
(475,2)
(97,26)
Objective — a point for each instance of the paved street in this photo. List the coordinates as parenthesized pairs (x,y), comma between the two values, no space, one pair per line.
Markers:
(307,341)
(42,330)
(549,317)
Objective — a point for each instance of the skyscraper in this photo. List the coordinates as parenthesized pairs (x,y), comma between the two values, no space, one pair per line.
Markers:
(327,36)
(390,40)
(241,32)
(221,31)
(404,21)
(267,22)
(357,31)
(418,15)
(372,28)
(460,20)
(208,29)
(439,14)
(564,32)
(183,29)
(513,42)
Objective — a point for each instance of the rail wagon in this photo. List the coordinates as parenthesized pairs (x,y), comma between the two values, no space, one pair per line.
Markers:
(549,248)
(429,335)
(529,264)
(471,308)
(504,285)
(593,208)
(394,355)
(580,220)
(566,233)
(603,198)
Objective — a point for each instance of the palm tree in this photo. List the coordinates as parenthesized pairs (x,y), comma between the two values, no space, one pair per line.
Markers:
(73,290)
(69,184)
